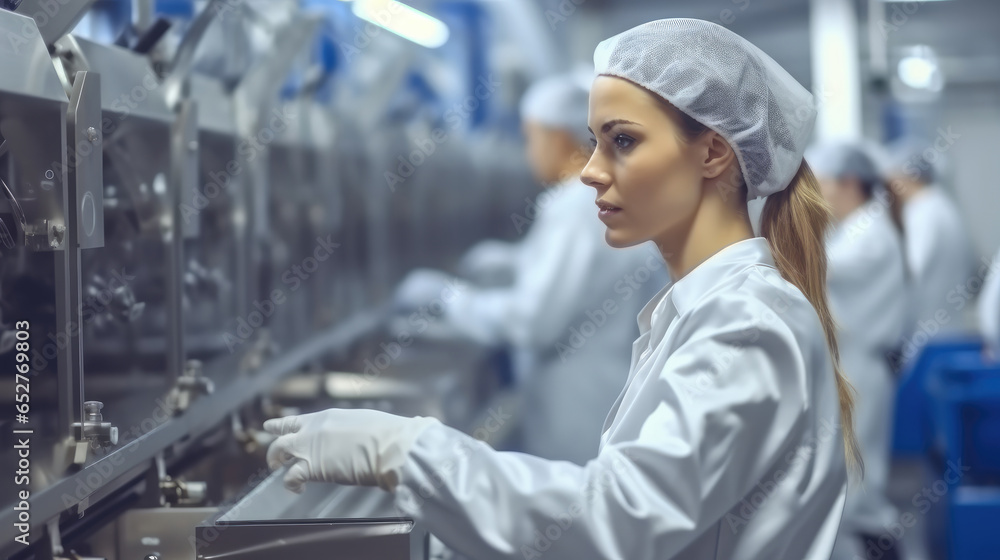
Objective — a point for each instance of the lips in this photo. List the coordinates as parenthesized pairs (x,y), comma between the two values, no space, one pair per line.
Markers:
(607,210)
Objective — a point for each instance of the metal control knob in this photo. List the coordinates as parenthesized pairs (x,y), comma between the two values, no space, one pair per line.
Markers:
(94,428)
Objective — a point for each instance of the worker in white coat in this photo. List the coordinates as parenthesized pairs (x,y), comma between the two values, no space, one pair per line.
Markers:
(864,278)
(939,253)
(989,309)
(570,312)
(727,441)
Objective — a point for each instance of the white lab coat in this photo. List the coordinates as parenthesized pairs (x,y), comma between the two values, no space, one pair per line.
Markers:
(570,314)
(724,444)
(866,280)
(989,307)
(940,257)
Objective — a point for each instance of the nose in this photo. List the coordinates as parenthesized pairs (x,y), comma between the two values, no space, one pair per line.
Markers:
(595,173)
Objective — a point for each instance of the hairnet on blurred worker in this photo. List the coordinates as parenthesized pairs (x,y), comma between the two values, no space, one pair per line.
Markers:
(939,253)
(727,441)
(570,312)
(865,279)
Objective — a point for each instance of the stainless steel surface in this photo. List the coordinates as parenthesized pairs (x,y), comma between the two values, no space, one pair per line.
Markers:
(54,19)
(137,452)
(333,540)
(84,167)
(238,219)
(331,521)
(24,60)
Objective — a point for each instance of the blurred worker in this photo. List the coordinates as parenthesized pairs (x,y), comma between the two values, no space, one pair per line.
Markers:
(727,442)
(939,254)
(865,276)
(989,309)
(570,312)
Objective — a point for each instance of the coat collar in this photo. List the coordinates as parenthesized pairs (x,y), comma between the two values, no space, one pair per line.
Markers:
(680,296)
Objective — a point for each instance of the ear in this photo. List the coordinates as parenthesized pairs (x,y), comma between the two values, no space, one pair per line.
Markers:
(718,156)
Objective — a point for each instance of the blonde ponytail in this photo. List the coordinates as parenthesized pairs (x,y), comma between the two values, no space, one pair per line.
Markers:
(794,222)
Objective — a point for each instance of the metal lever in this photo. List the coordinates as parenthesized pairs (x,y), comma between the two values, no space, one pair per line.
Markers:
(15,205)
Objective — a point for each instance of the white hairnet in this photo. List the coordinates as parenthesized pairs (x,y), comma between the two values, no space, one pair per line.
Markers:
(561,102)
(727,84)
(912,158)
(840,160)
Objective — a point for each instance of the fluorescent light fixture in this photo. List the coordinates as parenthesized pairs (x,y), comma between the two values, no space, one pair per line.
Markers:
(916,72)
(919,69)
(405,21)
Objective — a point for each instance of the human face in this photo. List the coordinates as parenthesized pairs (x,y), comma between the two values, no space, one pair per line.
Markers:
(843,195)
(549,152)
(647,176)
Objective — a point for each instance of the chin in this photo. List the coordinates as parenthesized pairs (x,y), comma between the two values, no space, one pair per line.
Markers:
(620,240)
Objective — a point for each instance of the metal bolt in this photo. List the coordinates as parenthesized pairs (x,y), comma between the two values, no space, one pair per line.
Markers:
(49,174)
(92,135)
(93,410)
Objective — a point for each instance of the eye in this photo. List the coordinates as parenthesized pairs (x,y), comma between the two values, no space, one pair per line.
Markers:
(624,142)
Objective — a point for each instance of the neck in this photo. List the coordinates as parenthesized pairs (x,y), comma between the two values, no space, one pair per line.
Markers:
(714,227)
(908,190)
(719,222)
(851,202)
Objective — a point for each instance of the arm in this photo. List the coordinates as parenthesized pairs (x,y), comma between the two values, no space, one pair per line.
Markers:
(694,458)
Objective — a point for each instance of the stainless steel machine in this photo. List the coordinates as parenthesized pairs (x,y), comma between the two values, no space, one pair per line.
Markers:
(186,252)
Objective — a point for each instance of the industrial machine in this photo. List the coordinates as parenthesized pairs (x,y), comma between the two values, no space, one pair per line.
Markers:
(195,236)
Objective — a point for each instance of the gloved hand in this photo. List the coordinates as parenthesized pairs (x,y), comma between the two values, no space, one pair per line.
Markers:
(346,446)
(421,287)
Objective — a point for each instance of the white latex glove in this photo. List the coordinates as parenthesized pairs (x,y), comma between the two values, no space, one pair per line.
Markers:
(422,286)
(346,446)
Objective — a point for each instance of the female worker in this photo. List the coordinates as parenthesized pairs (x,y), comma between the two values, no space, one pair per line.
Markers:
(866,270)
(569,313)
(727,441)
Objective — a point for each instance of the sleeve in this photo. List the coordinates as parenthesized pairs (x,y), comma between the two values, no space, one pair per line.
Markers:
(557,263)
(695,456)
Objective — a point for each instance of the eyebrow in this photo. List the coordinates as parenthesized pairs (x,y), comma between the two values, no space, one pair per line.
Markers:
(608,125)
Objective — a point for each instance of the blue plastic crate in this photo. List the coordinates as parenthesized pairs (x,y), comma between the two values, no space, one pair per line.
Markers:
(911,421)
(965,407)
(974,527)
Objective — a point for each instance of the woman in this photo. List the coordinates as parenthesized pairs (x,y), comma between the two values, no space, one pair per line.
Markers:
(565,279)
(866,270)
(724,442)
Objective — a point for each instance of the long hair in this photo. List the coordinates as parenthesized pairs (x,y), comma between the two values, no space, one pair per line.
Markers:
(794,222)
